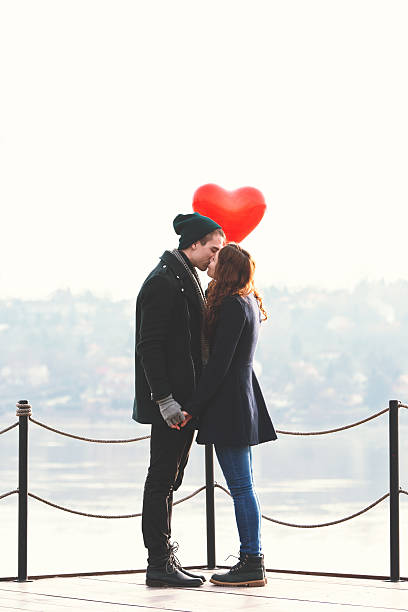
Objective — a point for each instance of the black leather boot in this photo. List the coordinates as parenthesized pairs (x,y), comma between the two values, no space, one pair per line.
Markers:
(161,572)
(249,571)
(200,576)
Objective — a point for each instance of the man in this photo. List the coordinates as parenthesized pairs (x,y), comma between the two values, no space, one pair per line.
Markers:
(170,353)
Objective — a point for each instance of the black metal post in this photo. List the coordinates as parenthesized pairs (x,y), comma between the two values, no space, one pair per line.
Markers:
(394,491)
(210,511)
(23,412)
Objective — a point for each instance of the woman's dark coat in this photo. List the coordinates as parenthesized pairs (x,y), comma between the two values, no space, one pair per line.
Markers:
(168,329)
(228,399)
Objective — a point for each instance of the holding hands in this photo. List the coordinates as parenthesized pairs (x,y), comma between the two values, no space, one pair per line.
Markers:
(172,413)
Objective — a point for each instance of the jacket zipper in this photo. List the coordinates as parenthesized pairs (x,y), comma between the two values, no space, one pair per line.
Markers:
(194,372)
(190,355)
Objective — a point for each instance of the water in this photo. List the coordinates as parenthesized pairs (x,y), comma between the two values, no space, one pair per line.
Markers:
(300,480)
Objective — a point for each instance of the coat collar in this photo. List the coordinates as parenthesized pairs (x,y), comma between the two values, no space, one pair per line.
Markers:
(171,261)
(182,276)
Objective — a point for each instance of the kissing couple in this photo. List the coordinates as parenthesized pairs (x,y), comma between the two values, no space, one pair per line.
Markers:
(193,371)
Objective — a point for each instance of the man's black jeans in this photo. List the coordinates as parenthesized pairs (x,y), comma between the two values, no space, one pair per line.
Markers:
(169,452)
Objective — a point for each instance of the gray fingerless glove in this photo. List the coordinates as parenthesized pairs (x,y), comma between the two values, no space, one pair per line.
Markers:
(171,411)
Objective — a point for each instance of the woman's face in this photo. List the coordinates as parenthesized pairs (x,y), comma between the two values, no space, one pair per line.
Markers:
(212,265)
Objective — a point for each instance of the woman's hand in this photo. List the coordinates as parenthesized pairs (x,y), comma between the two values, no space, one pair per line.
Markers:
(187,418)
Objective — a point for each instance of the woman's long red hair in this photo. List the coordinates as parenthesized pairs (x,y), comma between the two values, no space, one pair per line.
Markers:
(234,275)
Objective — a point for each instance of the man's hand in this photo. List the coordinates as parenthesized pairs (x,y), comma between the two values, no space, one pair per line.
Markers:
(187,418)
(171,411)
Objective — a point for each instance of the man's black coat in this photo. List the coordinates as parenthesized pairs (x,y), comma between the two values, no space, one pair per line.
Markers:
(168,348)
(228,399)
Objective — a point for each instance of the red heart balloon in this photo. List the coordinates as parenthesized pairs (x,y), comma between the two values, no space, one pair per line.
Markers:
(238,212)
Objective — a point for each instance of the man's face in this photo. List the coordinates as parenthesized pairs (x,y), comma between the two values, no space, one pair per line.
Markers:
(202,255)
(212,266)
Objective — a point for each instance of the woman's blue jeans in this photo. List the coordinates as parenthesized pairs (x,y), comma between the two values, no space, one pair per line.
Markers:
(236,465)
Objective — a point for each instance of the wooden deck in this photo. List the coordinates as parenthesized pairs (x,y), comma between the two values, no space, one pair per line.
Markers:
(283,593)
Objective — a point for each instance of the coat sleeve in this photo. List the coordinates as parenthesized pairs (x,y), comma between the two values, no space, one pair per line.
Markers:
(231,321)
(156,302)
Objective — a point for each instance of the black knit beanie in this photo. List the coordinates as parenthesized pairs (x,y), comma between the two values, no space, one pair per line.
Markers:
(192,227)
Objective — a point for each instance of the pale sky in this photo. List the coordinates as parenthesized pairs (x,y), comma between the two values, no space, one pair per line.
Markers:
(114,112)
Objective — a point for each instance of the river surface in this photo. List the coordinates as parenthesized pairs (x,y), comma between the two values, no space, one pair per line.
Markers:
(301,480)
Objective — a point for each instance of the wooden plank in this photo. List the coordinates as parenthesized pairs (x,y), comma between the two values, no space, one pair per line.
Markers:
(282,594)
(307,589)
(45,603)
(27,602)
(32,603)
(60,598)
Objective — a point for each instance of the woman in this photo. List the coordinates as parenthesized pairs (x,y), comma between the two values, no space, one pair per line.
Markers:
(229,403)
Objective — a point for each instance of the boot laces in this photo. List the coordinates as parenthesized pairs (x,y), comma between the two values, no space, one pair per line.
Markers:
(172,562)
(237,566)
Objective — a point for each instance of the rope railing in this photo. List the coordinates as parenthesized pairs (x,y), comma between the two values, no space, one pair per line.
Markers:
(2,431)
(124,441)
(108,516)
(329,524)
(98,441)
(329,431)
(9,493)
(347,518)
(24,412)
(196,492)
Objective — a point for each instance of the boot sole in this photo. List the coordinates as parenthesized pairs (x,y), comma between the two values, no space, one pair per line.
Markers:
(250,583)
(159,583)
